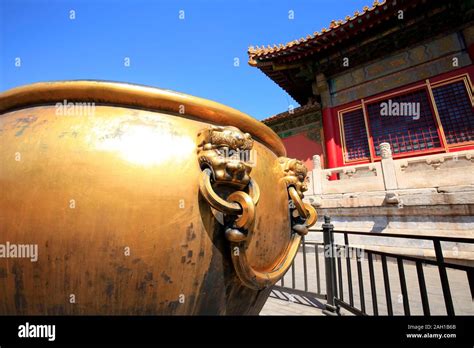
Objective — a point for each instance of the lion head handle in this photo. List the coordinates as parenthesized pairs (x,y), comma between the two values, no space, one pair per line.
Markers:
(294,174)
(221,150)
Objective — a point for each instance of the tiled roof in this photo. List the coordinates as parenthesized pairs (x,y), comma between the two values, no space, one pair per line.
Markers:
(293,113)
(281,49)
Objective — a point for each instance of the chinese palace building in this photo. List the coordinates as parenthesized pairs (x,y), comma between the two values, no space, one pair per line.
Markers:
(357,79)
(386,122)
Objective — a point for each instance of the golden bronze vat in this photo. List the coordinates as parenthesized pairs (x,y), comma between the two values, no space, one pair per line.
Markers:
(126,199)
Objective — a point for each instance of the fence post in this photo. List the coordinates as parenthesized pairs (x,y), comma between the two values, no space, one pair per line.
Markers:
(470,278)
(448,300)
(330,267)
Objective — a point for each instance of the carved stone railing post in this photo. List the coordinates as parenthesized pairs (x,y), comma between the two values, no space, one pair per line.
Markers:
(389,174)
(317,175)
(388,167)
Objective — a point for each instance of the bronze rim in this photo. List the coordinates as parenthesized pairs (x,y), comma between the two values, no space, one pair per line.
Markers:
(142,97)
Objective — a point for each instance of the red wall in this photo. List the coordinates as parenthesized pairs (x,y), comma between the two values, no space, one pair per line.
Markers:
(299,146)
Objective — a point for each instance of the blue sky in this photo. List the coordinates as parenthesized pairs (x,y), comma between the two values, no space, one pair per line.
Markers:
(195,55)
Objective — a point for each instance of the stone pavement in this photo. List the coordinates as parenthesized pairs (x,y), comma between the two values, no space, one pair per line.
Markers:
(462,300)
(275,306)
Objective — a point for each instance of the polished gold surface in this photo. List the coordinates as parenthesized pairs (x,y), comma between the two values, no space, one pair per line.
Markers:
(114,201)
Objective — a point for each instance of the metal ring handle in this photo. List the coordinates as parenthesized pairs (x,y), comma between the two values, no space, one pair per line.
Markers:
(213,198)
(258,280)
(247,217)
(295,197)
(224,206)
(313,215)
(243,205)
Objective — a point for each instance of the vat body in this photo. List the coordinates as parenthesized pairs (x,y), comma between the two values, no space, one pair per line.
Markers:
(111,196)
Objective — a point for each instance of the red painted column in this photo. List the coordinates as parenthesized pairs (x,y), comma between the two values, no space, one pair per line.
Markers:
(337,140)
(330,139)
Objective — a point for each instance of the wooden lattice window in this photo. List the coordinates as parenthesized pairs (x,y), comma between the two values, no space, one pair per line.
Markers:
(455,112)
(356,145)
(406,133)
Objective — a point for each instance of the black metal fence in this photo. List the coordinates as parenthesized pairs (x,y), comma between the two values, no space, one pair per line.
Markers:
(309,290)
(338,288)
